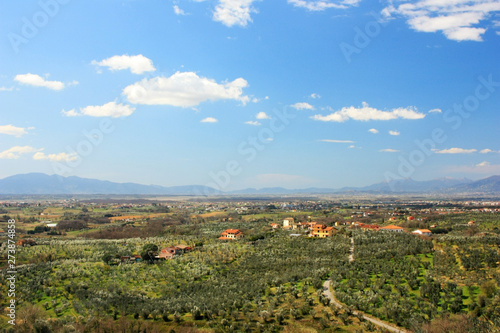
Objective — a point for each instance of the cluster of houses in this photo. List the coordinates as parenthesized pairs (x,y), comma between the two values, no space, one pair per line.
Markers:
(315,229)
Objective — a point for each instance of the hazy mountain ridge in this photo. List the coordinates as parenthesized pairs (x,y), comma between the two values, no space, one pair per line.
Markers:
(39,183)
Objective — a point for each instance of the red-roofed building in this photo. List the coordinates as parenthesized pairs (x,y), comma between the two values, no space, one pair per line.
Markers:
(425,232)
(231,234)
(392,228)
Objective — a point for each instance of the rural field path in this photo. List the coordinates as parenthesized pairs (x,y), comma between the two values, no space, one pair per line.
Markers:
(351,251)
(328,293)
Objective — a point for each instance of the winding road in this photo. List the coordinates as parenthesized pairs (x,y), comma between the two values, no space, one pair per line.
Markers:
(328,293)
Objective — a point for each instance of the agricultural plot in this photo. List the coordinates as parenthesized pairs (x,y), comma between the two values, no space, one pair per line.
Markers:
(409,281)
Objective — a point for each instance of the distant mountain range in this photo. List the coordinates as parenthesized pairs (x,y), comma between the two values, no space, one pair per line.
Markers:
(39,183)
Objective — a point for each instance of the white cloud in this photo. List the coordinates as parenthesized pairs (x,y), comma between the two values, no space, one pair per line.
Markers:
(486,151)
(184,89)
(55,157)
(396,133)
(38,81)
(16,152)
(302,106)
(336,141)
(458,20)
(253,123)
(366,113)
(209,120)
(110,109)
(178,11)
(435,111)
(388,150)
(320,5)
(262,115)
(455,151)
(71,113)
(234,12)
(6,88)
(373,130)
(314,95)
(12,130)
(484,168)
(137,64)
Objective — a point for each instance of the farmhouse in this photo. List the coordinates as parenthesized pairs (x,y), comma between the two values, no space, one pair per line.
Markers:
(425,232)
(365,227)
(392,228)
(231,234)
(322,231)
(289,223)
(25,242)
(171,252)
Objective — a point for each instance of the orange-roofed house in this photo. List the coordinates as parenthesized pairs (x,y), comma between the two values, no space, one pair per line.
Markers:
(275,225)
(411,218)
(369,227)
(322,231)
(231,234)
(425,232)
(393,228)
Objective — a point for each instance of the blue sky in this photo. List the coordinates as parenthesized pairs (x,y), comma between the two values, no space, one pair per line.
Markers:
(247,93)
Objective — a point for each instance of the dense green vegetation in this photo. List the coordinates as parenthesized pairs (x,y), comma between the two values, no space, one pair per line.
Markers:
(410,280)
(75,279)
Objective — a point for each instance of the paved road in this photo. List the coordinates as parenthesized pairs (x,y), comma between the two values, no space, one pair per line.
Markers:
(327,292)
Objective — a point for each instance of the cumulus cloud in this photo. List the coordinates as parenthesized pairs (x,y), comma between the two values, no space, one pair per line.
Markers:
(320,5)
(16,152)
(314,96)
(483,164)
(459,20)
(366,113)
(435,111)
(302,106)
(486,151)
(209,120)
(262,115)
(253,123)
(55,157)
(184,89)
(373,130)
(388,150)
(337,141)
(111,109)
(38,81)
(396,133)
(455,151)
(234,12)
(12,130)
(137,64)
(178,11)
